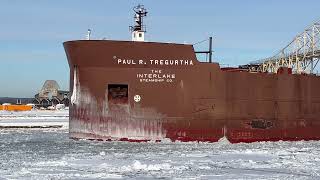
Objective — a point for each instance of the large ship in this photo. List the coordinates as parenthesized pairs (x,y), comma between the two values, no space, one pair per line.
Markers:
(152,91)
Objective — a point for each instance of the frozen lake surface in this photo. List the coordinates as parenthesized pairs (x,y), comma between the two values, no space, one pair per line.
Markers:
(50,154)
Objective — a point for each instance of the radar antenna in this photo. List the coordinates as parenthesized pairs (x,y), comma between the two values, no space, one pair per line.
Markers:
(138,29)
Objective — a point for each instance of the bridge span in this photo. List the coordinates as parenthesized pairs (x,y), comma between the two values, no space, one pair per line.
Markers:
(302,54)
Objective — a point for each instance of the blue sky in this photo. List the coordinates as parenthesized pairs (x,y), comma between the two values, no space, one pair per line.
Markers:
(32,31)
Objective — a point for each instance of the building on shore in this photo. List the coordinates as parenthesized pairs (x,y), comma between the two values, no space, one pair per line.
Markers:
(15,100)
(51,95)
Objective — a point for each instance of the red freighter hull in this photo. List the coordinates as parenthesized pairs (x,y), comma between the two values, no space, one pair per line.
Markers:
(140,91)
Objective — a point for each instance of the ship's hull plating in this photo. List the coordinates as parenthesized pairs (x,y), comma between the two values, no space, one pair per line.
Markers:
(140,91)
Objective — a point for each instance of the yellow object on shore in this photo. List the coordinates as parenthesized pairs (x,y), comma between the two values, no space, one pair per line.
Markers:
(15,107)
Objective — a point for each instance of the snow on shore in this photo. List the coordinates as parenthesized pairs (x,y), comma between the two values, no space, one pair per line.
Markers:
(35,118)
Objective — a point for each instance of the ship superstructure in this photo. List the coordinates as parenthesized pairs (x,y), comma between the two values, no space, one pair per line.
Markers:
(138,29)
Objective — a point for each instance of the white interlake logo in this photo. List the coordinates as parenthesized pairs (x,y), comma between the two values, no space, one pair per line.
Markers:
(137,98)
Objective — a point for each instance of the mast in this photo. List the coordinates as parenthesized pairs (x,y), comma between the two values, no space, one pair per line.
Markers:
(88,34)
(210,49)
(138,30)
(209,52)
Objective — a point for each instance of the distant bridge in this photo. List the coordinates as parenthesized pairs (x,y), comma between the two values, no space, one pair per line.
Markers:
(302,54)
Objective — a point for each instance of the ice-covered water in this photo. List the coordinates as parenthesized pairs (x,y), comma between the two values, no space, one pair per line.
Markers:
(50,154)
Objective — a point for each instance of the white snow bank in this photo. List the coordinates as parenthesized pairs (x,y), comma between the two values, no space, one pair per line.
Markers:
(35,118)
